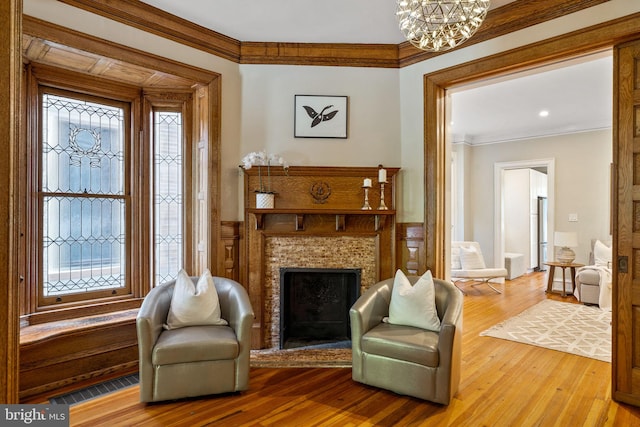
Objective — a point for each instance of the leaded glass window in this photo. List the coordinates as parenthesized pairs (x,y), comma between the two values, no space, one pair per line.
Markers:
(82,196)
(168,197)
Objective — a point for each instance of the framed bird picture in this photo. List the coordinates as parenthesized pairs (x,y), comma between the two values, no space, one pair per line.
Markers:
(320,116)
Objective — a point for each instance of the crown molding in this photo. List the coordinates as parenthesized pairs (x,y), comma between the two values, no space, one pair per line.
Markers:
(156,21)
(503,20)
(333,54)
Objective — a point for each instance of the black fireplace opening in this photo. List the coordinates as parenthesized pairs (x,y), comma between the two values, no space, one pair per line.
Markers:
(314,305)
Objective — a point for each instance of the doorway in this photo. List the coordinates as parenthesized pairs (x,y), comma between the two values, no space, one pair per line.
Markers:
(529,140)
(500,237)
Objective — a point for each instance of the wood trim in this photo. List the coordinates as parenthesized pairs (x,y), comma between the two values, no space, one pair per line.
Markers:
(436,180)
(410,248)
(230,251)
(87,310)
(328,54)
(61,353)
(584,41)
(67,37)
(503,20)
(213,139)
(10,241)
(153,20)
(625,385)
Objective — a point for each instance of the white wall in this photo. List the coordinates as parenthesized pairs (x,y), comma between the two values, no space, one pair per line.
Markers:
(267,115)
(387,107)
(582,179)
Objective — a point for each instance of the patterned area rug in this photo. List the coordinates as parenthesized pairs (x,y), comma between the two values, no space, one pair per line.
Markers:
(572,328)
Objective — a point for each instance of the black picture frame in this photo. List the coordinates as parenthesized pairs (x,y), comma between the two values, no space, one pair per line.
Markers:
(320,116)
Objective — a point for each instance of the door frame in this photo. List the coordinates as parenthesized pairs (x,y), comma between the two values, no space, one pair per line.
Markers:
(498,178)
(586,41)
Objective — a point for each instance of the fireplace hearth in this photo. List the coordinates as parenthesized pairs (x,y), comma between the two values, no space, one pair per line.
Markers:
(315,303)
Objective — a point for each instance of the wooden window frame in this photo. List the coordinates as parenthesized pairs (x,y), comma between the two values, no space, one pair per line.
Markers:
(138,187)
(181,102)
(37,212)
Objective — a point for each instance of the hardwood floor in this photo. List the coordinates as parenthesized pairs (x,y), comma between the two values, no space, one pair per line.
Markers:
(503,384)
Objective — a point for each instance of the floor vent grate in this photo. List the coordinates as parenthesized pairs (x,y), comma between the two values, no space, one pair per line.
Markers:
(96,390)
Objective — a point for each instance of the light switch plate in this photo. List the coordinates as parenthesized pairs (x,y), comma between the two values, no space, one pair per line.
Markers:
(573,217)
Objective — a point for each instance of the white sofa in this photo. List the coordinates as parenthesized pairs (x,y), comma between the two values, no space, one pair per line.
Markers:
(467,264)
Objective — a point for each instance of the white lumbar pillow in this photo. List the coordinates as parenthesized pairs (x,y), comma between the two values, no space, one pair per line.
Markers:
(602,254)
(414,305)
(471,259)
(193,305)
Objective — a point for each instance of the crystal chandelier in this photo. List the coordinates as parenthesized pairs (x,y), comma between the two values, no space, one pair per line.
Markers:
(437,25)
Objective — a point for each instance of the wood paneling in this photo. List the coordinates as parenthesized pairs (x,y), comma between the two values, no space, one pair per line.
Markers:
(626,241)
(47,52)
(165,72)
(511,17)
(10,202)
(410,248)
(57,354)
(230,251)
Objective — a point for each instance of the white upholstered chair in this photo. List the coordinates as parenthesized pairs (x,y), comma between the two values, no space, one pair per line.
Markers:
(467,265)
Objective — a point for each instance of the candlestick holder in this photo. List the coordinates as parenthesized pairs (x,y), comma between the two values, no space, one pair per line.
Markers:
(366,206)
(382,206)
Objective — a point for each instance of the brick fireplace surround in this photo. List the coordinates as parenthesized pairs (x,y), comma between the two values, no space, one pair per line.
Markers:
(317,222)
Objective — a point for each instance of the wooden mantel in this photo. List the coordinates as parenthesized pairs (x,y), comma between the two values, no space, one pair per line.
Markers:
(316,201)
(340,214)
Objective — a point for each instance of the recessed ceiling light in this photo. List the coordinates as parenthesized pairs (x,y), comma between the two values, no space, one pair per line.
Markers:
(543,113)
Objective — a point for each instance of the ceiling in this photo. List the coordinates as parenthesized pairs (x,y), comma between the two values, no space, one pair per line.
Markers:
(509,106)
(301,21)
(576,94)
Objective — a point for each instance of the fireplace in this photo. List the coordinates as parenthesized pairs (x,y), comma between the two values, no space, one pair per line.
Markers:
(315,303)
(317,222)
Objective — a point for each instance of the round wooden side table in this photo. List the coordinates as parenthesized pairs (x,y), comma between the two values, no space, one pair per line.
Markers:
(552,269)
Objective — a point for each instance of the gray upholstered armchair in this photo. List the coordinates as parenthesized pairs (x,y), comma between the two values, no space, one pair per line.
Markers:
(194,360)
(405,359)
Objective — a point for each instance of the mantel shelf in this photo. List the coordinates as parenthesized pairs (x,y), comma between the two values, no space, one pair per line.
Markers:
(380,216)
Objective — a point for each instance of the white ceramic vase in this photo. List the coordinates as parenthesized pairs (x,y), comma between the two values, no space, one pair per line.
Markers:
(265,200)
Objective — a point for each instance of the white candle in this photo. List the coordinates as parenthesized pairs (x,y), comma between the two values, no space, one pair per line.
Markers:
(367,182)
(382,175)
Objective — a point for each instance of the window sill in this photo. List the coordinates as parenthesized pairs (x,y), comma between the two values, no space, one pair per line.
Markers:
(74,313)
(43,331)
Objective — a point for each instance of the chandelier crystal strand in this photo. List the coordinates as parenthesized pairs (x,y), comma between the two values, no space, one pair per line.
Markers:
(438,25)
